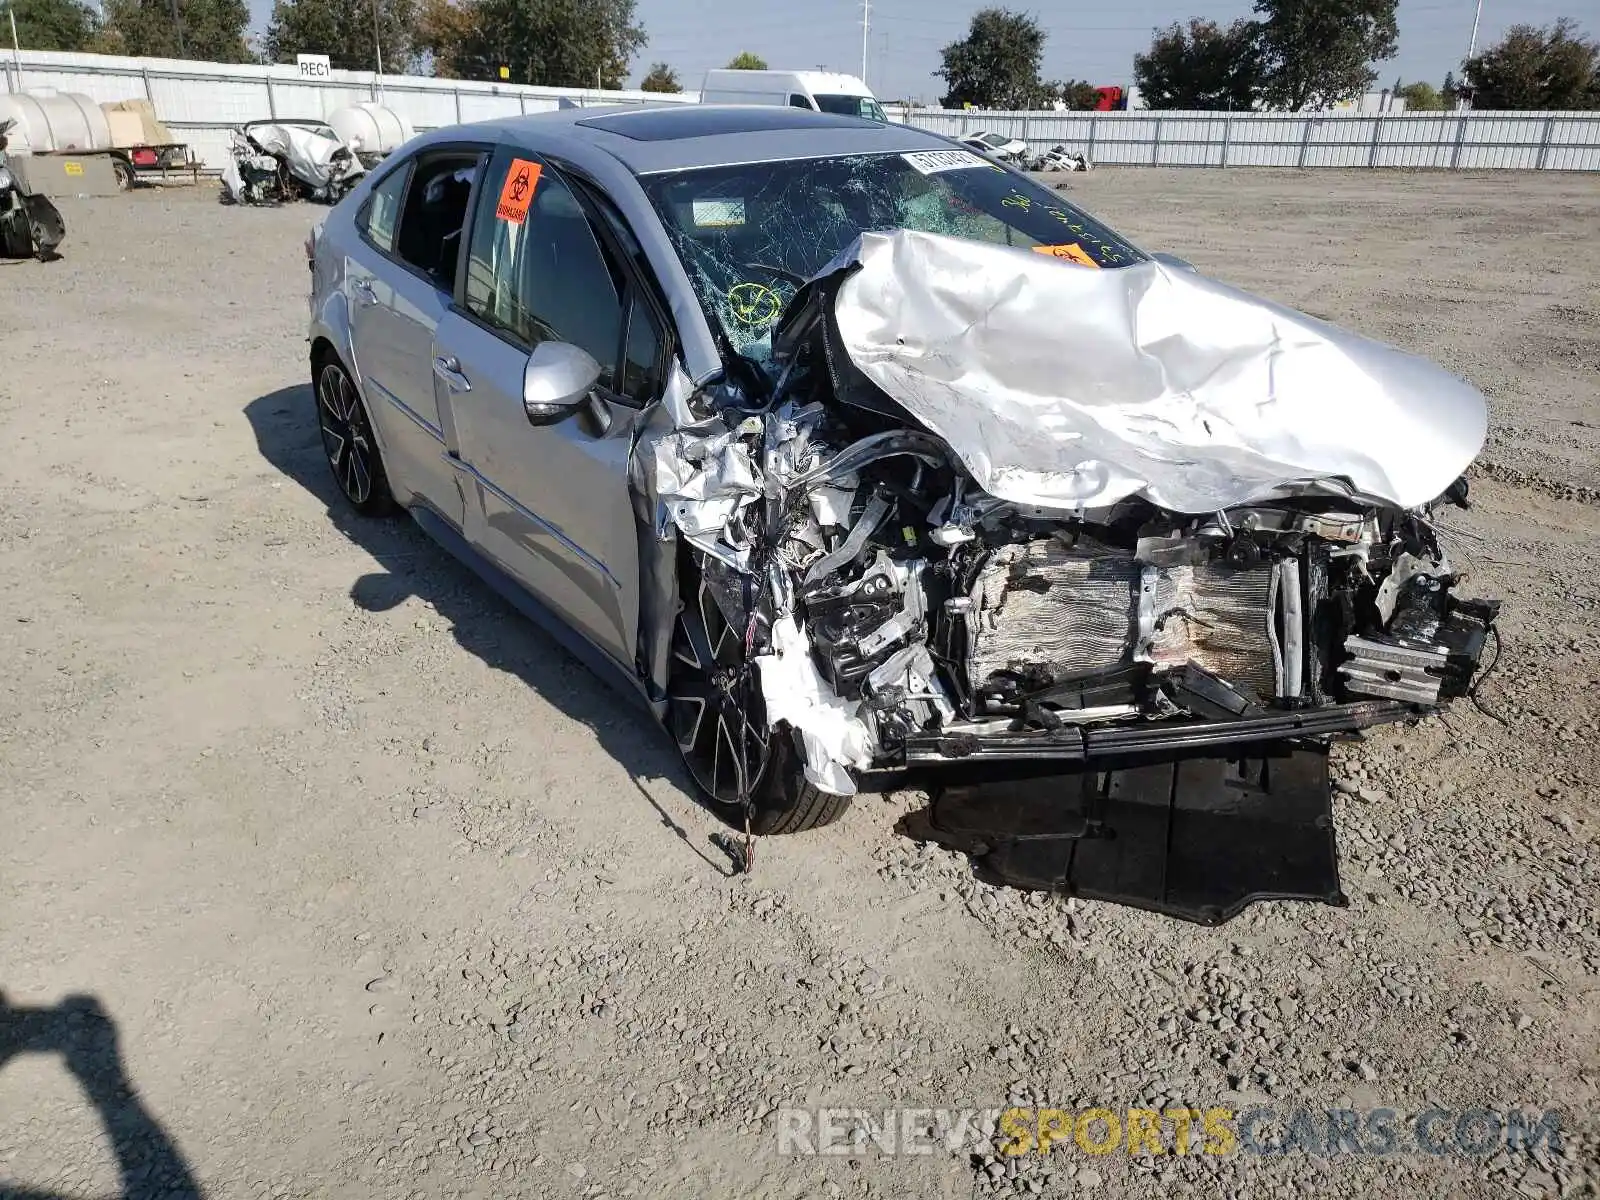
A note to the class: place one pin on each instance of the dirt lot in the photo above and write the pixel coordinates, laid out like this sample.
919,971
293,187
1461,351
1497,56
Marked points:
322,874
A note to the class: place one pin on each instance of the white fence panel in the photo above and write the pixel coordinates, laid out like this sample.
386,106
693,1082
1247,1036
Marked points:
1475,140
200,102
1570,143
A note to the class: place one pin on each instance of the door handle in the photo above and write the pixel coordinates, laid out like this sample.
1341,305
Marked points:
448,368
363,290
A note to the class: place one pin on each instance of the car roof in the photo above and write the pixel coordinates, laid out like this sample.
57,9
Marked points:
653,138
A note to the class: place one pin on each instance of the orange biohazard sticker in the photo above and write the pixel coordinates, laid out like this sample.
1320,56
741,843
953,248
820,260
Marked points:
517,192
1071,251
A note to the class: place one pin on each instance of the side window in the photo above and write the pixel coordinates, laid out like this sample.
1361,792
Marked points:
543,278
377,217
799,102
638,379
434,219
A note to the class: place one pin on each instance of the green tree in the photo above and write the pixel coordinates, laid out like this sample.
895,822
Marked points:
444,30
553,43
343,29
661,78
53,24
1077,94
1316,53
1204,66
205,30
1421,97
747,61
1536,68
997,64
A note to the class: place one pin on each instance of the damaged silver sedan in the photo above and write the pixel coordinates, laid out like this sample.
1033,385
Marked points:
850,451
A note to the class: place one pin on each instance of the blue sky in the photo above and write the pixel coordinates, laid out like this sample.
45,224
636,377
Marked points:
1087,40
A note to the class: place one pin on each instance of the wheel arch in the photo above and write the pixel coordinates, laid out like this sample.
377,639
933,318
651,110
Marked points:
325,351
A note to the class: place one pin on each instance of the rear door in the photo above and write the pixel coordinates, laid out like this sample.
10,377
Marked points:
550,504
415,220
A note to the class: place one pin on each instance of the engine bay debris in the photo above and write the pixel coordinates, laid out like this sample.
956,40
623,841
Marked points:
982,505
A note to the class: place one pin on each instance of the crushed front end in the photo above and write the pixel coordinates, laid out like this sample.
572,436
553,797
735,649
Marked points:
900,614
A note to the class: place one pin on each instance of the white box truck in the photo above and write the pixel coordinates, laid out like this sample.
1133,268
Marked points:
821,91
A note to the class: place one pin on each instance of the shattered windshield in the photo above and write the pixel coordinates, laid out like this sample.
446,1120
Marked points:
749,235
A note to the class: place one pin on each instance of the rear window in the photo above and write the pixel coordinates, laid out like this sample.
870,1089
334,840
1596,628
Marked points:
852,106
377,218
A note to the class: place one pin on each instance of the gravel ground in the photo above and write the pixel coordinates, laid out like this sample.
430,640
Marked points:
325,875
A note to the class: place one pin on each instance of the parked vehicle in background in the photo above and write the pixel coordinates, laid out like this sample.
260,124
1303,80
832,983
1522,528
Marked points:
1001,147
820,91
30,226
279,160
140,143
1059,158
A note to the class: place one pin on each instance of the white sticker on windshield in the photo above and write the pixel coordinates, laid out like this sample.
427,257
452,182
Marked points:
718,214
931,162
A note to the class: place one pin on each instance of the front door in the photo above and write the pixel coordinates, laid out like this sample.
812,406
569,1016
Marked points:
552,503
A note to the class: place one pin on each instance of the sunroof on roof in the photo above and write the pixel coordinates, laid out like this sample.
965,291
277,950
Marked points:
691,121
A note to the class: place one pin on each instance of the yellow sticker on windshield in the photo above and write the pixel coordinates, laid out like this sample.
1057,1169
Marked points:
1070,251
752,304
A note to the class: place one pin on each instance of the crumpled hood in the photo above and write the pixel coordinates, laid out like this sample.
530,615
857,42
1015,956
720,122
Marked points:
309,153
1067,387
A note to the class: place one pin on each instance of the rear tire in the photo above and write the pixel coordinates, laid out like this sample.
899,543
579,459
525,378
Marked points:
349,443
124,173
716,715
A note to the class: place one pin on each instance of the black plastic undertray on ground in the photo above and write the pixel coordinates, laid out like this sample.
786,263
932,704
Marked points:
1198,839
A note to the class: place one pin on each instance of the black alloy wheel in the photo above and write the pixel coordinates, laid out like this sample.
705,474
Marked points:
717,716
349,444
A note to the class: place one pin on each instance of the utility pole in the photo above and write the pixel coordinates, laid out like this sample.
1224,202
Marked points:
1472,44
866,33
16,47
377,47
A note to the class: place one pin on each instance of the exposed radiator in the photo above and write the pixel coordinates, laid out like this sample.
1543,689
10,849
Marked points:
1218,617
1046,608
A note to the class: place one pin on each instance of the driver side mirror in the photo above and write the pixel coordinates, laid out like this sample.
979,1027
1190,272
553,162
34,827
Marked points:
557,381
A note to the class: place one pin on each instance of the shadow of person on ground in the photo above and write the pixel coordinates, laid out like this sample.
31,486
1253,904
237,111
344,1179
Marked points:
79,1031
285,427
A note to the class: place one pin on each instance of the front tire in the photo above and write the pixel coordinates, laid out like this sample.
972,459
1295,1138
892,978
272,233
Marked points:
349,443
716,715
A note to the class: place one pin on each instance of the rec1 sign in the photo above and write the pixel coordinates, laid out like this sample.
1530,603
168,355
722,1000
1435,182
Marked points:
313,66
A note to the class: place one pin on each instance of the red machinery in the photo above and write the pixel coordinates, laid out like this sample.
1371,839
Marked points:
1111,99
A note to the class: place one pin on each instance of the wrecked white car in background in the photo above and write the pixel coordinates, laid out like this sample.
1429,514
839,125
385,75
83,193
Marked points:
1001,147
937,474
272,162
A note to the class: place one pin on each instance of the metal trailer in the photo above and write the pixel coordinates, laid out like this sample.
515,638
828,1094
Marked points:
164,160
